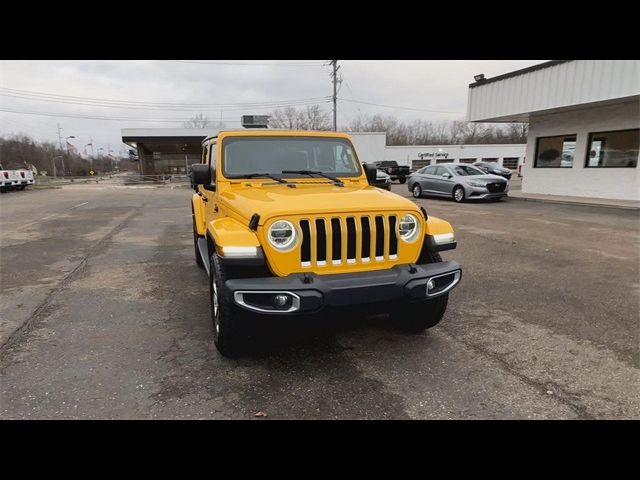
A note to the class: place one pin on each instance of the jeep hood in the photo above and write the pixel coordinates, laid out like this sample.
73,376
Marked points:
280,200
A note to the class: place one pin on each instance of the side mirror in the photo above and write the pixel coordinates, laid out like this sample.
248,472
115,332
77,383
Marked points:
446,175
200,175
371,172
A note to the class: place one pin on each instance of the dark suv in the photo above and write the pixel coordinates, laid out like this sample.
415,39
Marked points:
494,169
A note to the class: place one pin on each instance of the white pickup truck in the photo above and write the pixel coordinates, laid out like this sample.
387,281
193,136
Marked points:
15,179
8,180
24,177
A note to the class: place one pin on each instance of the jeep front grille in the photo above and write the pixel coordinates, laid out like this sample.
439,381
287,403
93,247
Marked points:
349,240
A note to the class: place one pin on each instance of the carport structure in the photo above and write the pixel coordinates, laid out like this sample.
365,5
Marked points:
166,151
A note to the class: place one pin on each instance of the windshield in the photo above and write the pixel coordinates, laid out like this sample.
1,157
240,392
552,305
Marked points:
243,156
466,170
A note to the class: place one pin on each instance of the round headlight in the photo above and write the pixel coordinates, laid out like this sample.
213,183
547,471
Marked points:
282,235
409,228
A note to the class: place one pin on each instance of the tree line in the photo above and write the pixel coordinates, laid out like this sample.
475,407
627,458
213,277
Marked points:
21,151
417,132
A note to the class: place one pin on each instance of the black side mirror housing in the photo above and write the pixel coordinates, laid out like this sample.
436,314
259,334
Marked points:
200,175
371,172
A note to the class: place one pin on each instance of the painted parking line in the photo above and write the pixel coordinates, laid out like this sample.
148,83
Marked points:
79,205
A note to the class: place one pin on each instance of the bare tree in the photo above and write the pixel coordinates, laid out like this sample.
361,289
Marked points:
428,132
314,118
310,118
198,121
518,132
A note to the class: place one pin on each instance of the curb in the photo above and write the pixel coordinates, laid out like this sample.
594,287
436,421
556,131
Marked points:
569,202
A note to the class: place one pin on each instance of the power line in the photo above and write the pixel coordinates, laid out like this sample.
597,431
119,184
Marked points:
120,119
401,108
172,109
97,102
275,64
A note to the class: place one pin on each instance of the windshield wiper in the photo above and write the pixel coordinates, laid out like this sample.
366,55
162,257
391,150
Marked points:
335,180
264,175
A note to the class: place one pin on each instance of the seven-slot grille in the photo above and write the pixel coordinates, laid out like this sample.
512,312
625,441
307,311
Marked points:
348,240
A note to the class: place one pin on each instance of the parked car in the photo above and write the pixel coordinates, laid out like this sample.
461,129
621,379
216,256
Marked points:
298,231
459,181
395,171
494,169
383,180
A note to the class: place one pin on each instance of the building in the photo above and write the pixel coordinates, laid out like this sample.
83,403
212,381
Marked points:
418,156
166,151
584,124
372,147
170,151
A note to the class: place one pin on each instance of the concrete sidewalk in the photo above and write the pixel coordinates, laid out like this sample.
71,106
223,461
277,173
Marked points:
569,200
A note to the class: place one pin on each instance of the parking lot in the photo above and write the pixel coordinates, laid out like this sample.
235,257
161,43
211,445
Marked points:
105,315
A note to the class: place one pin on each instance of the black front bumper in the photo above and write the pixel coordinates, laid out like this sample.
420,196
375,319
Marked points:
401,283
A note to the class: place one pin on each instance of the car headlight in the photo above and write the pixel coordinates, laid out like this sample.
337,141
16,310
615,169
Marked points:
409,228
282,235
477,184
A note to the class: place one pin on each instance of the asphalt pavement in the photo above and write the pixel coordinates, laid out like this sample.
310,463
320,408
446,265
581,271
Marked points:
104,314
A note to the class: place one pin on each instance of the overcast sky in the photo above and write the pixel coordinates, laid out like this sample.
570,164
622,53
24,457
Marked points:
430,90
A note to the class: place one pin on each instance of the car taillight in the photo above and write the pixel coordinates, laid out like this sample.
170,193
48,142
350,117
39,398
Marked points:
6,174
22,173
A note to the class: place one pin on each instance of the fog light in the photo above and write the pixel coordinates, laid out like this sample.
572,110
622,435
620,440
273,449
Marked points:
430,285
280,300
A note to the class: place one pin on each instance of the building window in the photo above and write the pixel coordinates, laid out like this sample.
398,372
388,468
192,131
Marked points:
443,160
613,149
467,160
490,160
510,162
555,152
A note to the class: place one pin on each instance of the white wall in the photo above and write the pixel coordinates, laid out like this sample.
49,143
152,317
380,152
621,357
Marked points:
405,155
616,183
370,146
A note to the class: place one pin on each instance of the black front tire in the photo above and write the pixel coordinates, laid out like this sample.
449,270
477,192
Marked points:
229,321
419,316
402,180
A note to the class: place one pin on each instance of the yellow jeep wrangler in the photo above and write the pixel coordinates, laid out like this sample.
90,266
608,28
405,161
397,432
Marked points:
286,224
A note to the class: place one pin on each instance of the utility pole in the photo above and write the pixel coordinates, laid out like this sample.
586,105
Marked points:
59,137
334,75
